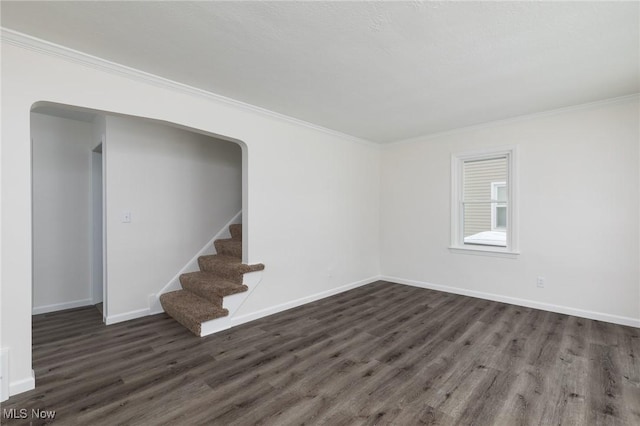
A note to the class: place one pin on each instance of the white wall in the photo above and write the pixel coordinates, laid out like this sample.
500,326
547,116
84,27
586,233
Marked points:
180,187
579,195
61,213
312,198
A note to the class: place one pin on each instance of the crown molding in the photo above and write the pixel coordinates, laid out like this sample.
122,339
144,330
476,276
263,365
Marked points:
516,119
46,47
38,45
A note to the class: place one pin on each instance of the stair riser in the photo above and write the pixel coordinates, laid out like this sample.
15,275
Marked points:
210,283
228,272
190,310
216,300
236,231
227,249
177,315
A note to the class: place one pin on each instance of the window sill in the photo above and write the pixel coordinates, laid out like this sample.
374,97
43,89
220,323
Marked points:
485,251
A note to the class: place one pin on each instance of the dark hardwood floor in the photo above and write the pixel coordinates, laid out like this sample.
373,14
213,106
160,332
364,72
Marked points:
380,354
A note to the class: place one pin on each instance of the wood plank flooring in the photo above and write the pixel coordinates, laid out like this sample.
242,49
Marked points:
380,354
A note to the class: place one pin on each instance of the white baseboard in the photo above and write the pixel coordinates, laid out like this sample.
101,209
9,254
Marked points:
214,326
225,323
600,316
299,302
36,310
114,319
23,385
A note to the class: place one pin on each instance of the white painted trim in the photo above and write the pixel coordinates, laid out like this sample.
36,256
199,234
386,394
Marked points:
510,120
192,265
114,319
485,251
37,310
43,46
23,385
599,316
208,328
494,207
220,324
299,302
46,47
457,192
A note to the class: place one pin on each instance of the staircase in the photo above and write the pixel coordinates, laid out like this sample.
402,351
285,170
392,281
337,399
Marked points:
202,296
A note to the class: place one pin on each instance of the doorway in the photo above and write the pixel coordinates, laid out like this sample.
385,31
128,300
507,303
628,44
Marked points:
89,270
67,209
97,230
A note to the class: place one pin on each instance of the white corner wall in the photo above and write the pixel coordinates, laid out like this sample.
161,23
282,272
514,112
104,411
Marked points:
61,212
311,205
180,187
579,189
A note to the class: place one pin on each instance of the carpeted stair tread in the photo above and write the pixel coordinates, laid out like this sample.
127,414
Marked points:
190,310
236,231
227,267
202,294
229,247
210,286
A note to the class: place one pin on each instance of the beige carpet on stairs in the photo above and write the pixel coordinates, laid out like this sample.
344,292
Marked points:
203,292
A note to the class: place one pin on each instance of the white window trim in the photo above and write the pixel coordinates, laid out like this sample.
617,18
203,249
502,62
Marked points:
457,244
494,206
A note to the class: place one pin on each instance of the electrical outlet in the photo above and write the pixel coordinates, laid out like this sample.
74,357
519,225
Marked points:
540,282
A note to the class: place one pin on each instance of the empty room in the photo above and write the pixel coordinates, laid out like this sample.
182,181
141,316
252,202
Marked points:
338,213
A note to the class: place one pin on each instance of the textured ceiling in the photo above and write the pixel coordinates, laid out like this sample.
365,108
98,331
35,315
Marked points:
380,71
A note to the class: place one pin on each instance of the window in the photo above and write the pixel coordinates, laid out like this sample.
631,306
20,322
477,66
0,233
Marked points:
499,206
483,195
